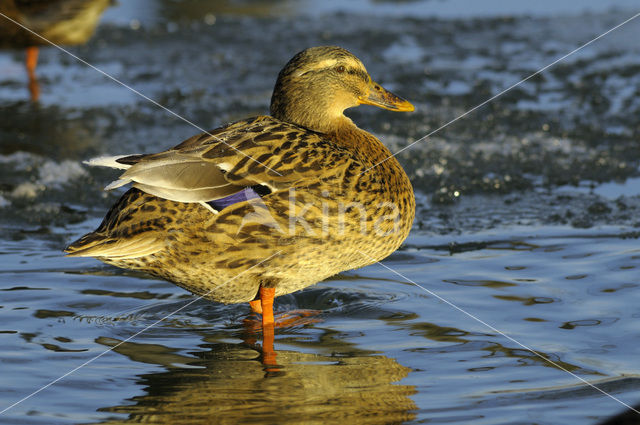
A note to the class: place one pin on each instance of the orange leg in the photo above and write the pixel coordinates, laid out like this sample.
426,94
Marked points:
268,328
31,62
264,306
32,59
267,296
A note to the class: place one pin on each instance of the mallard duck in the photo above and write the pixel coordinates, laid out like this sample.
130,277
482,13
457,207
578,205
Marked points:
63,22
268,205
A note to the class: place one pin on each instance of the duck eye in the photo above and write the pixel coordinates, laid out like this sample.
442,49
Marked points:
340,69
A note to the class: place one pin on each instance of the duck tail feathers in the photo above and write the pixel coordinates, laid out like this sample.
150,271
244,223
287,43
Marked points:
111,161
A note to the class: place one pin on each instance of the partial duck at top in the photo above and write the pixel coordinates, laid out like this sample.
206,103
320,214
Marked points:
62,22
267,205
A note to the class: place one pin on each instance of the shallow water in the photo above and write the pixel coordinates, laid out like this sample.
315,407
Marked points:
526,236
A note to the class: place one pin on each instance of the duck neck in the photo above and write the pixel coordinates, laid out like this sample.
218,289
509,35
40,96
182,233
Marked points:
347,134
326,124
320,117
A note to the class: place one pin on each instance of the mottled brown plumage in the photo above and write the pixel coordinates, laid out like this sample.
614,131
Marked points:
322,209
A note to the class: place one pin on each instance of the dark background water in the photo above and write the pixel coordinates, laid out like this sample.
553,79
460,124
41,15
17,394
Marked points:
527,220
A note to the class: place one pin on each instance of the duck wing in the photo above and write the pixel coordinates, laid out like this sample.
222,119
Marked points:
260,151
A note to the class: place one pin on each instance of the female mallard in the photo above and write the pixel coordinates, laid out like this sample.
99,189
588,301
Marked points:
268,205
65,22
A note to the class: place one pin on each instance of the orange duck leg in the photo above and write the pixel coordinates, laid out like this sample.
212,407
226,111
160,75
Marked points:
31,62
264,306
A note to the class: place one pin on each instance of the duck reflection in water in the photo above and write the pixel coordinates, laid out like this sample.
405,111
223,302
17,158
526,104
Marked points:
62,22
225,384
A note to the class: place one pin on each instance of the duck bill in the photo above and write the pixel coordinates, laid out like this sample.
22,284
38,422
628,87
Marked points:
382,98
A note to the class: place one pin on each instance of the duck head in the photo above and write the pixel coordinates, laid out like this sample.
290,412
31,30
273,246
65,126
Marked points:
319,83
